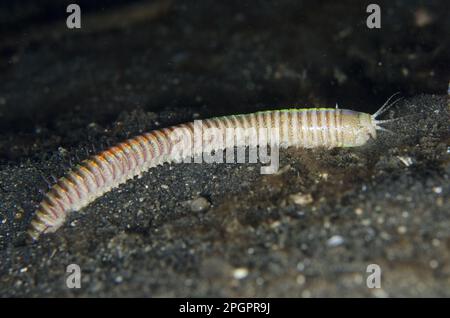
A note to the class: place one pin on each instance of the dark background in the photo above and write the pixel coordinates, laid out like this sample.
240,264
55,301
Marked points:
137,66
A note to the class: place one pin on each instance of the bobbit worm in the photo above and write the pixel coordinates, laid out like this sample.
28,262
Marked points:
308,128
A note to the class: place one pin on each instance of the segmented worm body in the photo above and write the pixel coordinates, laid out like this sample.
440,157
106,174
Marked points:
327,127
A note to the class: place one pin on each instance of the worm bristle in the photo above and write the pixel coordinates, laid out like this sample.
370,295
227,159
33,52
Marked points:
44,217
33,234
48,183
38,225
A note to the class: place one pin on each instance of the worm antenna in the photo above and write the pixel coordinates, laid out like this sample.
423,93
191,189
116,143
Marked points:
377,122
49,184
386,106
386,121
384,129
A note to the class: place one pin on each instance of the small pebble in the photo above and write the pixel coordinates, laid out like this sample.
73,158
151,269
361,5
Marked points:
335,240
436,242
434,264
407,161
301,279
385,236
62,151
437,190
240,273
275,224
199,204
401,229
301,199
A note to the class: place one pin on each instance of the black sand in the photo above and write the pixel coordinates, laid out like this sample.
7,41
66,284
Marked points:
310,230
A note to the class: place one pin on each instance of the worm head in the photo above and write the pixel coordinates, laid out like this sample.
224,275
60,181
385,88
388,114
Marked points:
357,128
366,129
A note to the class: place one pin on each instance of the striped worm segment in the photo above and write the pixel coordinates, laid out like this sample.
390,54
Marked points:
93,177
